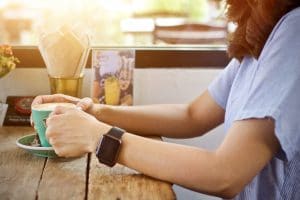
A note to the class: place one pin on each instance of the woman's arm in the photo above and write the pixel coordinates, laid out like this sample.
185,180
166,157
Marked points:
248,147
178,121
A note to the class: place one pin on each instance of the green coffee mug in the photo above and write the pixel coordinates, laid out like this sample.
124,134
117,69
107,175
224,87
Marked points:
40,114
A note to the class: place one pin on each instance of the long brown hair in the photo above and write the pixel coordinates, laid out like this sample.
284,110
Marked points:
255,20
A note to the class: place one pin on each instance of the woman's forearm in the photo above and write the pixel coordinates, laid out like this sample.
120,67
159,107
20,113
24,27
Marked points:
248,147
175,120
162,120
190,167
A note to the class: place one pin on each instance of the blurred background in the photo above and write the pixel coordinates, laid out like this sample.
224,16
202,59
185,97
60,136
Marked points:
117,22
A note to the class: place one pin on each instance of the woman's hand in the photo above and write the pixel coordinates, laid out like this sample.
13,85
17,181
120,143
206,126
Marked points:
73,132
85,103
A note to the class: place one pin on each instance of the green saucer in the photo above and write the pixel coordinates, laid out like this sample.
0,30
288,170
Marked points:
25,141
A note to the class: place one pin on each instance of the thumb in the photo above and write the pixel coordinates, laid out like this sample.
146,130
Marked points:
85,103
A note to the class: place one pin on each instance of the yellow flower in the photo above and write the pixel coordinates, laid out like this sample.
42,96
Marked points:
7,60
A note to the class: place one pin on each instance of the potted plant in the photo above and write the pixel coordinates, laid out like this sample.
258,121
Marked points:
7,60
7,63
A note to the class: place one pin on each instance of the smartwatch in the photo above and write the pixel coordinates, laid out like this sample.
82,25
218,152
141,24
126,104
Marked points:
109,146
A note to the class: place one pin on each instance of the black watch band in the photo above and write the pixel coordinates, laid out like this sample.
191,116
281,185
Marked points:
109,146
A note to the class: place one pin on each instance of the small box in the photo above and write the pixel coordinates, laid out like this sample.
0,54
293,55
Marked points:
19,110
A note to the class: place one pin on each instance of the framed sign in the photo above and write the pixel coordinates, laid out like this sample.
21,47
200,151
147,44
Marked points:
112,81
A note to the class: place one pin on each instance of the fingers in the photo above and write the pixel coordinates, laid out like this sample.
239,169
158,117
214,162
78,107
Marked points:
49,129
52,130
58,110
85,103
58,114
54,98
58,148
82,104
63,149
65,133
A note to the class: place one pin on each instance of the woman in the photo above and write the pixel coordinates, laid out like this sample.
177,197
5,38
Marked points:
256,96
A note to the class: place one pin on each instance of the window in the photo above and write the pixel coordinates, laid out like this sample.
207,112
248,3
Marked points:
116,22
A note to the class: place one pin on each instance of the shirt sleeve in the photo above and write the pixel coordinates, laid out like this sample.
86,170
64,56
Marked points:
275,90
219,89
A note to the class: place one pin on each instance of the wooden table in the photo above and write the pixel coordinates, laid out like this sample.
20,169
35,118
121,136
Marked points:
24,176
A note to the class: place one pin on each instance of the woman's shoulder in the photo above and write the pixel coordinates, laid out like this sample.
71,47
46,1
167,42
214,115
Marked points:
284,39
291,21
294,12
292,16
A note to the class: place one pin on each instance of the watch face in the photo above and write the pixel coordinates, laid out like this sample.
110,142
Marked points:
109,152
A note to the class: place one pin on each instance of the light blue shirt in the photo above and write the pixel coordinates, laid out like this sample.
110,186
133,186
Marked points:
269,87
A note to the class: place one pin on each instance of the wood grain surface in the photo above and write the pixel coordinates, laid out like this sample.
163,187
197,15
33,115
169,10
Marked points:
122,183
24,176
19,171
69,174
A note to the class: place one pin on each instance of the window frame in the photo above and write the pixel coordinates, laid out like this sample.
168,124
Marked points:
165,57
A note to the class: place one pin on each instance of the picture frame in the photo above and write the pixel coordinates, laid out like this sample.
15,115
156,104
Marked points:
112,76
